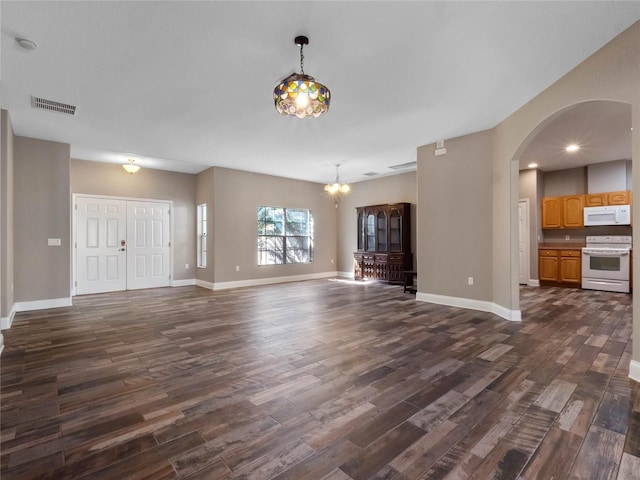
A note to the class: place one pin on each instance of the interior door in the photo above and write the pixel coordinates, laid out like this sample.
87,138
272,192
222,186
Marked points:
121,245
100,256
148,246
523,242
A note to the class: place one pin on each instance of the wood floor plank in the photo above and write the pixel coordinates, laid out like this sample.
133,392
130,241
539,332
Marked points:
609,447
319,379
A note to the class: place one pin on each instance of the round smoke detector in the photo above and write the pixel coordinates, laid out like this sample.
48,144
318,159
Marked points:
27,44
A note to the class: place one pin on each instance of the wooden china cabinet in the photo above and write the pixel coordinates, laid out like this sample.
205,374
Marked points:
384,242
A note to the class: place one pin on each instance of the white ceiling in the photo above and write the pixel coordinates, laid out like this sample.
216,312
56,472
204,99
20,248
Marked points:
187,85
601,130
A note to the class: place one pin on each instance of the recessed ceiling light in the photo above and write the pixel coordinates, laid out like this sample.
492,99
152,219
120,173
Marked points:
27,44
532,165
572,148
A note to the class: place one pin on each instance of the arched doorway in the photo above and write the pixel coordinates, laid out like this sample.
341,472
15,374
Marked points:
602,130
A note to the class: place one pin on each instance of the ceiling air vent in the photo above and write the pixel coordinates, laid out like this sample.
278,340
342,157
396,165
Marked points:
370,174
404,166
51,106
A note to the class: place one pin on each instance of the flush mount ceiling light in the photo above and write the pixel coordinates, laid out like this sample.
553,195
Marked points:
130,167
532,165
299,95
572,148
337,186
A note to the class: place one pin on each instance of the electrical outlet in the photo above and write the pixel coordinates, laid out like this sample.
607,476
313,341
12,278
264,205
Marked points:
237,268
567,237
332,261
186,266
470,280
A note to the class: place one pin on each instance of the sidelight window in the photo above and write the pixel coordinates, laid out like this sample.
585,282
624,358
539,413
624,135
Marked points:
202,236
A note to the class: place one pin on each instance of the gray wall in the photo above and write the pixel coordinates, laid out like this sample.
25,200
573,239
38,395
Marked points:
608,176
571,181
611,73
6,218
110,179
454,218
42,210
393,189
237,196
204,194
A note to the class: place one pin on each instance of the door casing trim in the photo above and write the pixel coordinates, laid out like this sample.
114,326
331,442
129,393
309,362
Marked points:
74,197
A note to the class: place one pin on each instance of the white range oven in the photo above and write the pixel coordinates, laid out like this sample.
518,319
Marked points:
605,263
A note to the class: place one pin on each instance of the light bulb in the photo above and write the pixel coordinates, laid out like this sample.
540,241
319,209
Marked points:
302,100
572,148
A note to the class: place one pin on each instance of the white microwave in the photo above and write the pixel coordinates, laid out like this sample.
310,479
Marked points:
610,215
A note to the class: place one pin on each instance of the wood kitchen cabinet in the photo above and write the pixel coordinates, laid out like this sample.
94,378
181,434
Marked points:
572,211
548,265
619,198
607,198
595,199
384,242
552,212
560,267
570,267
568,211
563,212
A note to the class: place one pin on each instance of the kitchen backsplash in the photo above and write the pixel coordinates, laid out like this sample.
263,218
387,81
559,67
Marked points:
578,236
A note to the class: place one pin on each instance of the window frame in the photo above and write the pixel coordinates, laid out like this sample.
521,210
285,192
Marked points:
201,235
282,239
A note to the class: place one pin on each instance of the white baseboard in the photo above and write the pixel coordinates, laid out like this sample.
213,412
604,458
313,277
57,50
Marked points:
634,370
345,274
265,281
471,304
183,283
534,282
43,304
203,284
5,322
1,343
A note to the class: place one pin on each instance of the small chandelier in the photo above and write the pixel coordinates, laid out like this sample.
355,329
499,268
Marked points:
337,186
130,167
299,95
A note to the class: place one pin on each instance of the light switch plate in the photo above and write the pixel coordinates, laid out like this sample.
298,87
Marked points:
53,242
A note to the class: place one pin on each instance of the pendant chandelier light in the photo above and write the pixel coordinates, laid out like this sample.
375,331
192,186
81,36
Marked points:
299,95
130,167
337,186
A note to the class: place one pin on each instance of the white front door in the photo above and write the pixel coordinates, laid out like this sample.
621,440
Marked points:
523,241
121,245
101,259
148,248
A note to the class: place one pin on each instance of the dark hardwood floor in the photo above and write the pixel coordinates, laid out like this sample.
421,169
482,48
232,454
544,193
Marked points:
319,380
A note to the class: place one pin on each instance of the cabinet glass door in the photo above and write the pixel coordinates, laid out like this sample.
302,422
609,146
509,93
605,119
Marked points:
360,231
382,231
395,229
371,233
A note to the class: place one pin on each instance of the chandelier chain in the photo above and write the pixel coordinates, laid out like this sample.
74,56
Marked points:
301,59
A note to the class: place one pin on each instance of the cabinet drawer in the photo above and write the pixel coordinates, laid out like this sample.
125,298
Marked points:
570,253
548,253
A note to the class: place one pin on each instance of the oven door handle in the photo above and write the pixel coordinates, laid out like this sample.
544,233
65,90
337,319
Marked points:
606,254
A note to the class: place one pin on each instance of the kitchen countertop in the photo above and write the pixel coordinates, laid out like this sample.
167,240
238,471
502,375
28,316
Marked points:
561,246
